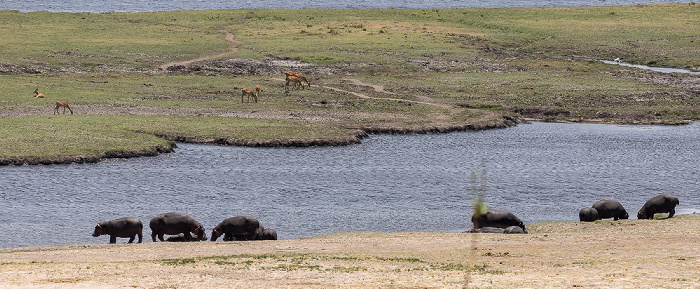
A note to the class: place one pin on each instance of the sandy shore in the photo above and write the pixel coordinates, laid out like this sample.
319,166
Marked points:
605,254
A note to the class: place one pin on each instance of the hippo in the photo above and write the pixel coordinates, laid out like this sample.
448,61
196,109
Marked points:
514,230
176,223
239,228
488,230
588,215
127,227
610,209
497,219
181,238
261,233
509,230
660,204
269,234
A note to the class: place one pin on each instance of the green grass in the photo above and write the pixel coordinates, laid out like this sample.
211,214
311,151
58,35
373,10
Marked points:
95,134
484,63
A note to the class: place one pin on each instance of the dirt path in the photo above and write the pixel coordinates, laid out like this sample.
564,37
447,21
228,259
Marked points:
378,88
232,50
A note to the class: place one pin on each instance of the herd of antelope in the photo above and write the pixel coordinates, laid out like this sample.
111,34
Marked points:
297,80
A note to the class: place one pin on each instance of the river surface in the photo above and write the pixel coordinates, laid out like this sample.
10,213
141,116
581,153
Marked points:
541,172
97,6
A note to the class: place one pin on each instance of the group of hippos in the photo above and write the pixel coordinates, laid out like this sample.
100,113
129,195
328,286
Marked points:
499,221
244,228
185,229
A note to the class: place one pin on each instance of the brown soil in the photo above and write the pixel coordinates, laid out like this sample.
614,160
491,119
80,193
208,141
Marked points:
605,254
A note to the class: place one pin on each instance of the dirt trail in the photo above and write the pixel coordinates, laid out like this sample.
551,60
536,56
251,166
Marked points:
232,49
379,88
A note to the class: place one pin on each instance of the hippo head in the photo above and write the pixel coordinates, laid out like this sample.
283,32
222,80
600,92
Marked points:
642,214
625,216
216,233
199,232
99,230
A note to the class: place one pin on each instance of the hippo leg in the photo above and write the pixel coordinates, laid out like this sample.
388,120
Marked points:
672,212
160,237
131,239
153,235
112,239
140,236
615,218
188,236
228,237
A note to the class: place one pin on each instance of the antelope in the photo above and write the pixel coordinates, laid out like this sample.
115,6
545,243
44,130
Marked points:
298,75
38,94
296,81
249,92
63,104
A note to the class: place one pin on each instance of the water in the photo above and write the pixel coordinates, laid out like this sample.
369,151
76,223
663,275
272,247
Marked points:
657,69
541,172
97,6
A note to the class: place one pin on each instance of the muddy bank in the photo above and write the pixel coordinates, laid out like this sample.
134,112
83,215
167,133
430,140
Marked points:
154,151
299,143
601,254
356,138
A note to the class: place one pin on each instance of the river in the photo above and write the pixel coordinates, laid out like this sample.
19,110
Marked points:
540,171
97,6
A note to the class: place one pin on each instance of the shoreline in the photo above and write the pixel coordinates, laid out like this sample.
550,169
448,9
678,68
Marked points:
274,143
286,143
610,254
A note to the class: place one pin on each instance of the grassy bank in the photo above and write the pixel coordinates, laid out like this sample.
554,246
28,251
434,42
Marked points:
603,254
394,70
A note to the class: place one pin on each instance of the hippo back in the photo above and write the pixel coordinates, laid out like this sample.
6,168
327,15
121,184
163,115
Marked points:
497,219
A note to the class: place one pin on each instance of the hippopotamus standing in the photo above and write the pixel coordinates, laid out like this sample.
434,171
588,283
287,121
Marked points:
123,228
497,219
588,215
610,209
660,204
176,223
241,228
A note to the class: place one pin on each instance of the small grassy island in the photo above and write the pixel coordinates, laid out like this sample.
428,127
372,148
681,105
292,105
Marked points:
137,82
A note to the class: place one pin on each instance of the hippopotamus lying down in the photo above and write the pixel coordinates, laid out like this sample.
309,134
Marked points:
261,233
588,215
181,238
127,227
509,230
660,204
610,209
497,219
268,234
239,228
174,224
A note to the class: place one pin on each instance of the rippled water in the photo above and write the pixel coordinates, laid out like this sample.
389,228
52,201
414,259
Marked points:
541,172
657,69
168,5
